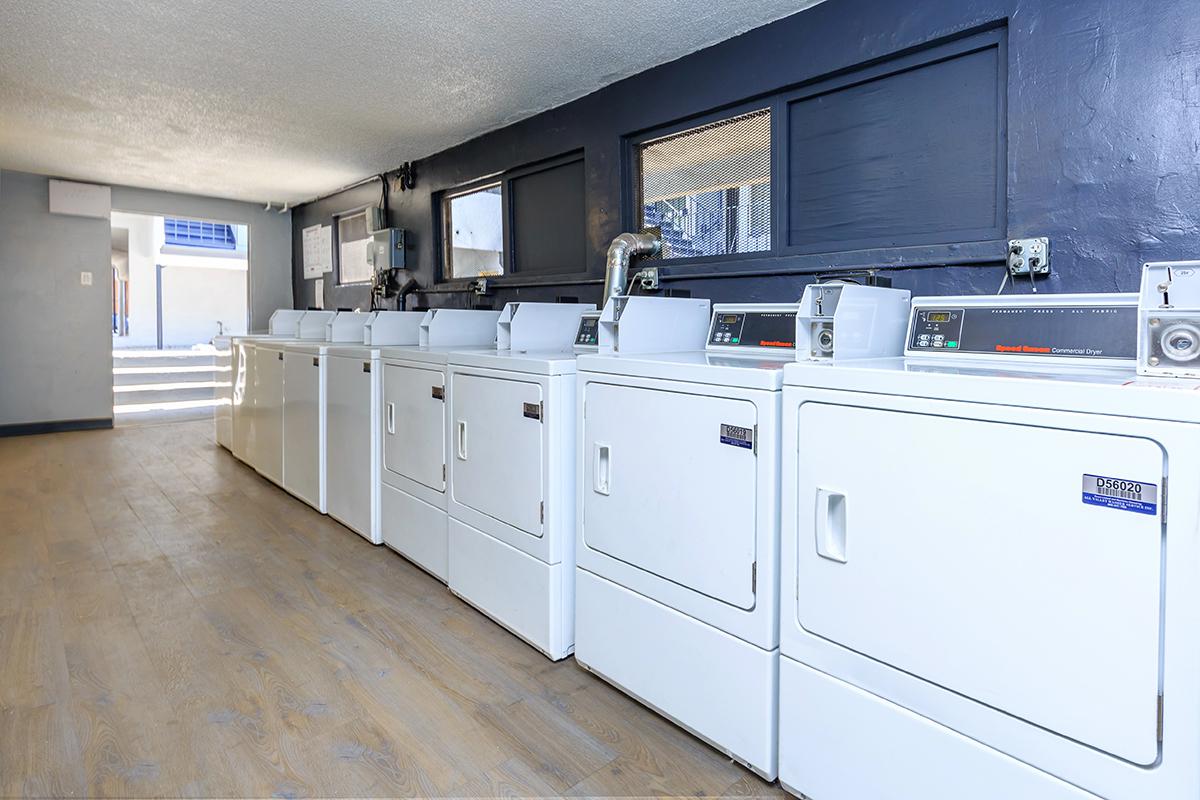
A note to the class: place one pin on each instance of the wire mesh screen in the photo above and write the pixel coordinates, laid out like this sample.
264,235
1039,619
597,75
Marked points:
708,189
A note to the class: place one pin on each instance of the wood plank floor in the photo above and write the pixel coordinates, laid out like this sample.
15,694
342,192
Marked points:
171,625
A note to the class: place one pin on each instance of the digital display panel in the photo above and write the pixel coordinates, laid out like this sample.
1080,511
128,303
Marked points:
938,316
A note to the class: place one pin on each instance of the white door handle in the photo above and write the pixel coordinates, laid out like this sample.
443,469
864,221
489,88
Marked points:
831,525
602,469
462,440
391,417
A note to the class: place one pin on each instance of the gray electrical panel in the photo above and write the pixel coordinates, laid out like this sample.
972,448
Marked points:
387,249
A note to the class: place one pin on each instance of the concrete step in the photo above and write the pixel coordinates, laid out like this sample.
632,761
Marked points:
129,376
164,360
176,393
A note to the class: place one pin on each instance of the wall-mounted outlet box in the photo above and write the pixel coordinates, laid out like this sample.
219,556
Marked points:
85,279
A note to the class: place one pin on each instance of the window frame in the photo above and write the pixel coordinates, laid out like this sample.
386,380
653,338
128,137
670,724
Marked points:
986,247
631,177
445,219
508,258
337,243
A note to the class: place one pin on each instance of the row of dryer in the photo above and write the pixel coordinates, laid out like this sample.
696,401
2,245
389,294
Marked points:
874,547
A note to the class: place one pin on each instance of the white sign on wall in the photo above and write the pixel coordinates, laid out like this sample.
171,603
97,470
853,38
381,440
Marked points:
319,293
318,250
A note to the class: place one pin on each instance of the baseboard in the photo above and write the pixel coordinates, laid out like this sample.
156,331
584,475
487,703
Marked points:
60,426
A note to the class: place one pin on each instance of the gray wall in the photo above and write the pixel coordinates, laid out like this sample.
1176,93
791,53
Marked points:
55,342
56,358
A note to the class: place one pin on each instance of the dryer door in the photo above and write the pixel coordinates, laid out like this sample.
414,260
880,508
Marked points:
498,445
414,424
978,555
670,486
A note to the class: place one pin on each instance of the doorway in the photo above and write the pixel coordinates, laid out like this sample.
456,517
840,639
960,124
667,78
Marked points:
178,285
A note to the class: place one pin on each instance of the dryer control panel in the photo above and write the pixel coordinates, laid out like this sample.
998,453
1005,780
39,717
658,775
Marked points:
1091,328
759,327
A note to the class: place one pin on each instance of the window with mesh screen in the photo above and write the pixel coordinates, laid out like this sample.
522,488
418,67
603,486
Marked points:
708,188
353,244
473,233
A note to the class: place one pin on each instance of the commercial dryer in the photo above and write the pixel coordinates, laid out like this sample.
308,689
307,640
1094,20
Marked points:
989,590
511,500
416,438
353,422
255,443
304,385
678,529
283,323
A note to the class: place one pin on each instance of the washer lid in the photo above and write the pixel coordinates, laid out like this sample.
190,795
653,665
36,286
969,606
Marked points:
425,355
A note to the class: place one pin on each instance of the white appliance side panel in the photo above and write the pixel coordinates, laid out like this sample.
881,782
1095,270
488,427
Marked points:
521,592
243,403
960,551
303,427
837,742
718,686
416,530
268,414
661,490
223,414
348,430
497,446
414,432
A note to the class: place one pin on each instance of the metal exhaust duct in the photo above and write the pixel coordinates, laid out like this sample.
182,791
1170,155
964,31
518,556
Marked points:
620,253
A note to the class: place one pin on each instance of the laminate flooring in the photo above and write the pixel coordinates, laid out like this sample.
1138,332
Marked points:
172,625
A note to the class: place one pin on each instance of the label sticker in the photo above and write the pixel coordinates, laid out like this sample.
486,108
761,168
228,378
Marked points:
533,410
1120,494
737,436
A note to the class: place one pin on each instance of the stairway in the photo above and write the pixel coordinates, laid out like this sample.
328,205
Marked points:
165,385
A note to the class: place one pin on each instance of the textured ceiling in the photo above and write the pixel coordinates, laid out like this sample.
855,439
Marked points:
284,100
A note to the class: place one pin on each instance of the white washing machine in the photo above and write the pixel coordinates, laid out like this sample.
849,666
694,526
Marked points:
248,385
986,592
416,438
284,323
304,384
678,532
353,423
511,500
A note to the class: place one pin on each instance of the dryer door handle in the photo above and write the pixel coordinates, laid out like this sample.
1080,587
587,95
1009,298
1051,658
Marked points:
601,468
831,525
391,417
461,447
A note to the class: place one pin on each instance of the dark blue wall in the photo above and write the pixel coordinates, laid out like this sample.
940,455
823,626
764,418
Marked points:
1103,145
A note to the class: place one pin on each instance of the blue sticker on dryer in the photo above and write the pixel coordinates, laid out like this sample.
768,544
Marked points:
1120,494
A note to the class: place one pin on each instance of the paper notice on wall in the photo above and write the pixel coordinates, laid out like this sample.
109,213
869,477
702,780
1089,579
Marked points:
318,250
319,293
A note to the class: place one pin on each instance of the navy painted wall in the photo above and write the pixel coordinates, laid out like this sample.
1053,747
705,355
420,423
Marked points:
1103,155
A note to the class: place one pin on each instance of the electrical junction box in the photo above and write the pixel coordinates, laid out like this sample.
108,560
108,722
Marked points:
386,249
1169,319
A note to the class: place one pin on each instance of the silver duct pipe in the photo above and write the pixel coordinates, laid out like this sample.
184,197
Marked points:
620,252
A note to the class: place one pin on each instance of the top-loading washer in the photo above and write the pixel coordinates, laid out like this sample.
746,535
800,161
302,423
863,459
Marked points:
511,499
678,525
305,365
283,323
258,394
988,590
416,438
353,420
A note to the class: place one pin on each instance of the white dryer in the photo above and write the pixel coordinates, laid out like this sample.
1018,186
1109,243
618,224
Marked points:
416,438
987,592
284,323
511,500
353,420
254,443
678,532
304,384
